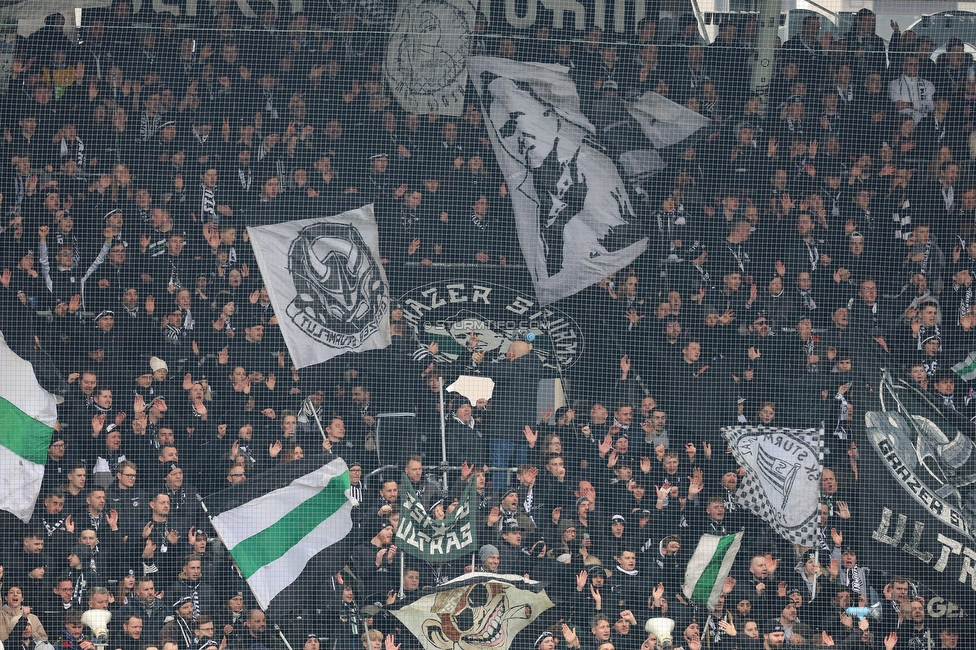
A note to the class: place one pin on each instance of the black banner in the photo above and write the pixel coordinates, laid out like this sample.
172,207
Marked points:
917,514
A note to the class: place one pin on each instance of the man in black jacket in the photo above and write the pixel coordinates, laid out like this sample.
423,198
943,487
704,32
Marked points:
513,405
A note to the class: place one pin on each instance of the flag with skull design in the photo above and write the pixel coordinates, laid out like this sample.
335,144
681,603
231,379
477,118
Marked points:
327,286
475,611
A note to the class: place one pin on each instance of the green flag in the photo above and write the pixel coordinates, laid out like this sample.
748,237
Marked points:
427,538
27,417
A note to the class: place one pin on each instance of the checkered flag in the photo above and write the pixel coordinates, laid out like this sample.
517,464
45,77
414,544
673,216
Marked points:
782,482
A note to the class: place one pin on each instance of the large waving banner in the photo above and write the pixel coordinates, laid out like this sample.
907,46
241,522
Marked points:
425,59
920,461
574,218
326,284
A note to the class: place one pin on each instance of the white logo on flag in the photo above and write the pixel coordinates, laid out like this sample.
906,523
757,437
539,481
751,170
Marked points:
782,482
425,60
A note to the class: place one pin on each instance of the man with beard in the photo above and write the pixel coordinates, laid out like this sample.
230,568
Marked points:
466,441
774,636
374,559
145,603
514,404
758,585
180,629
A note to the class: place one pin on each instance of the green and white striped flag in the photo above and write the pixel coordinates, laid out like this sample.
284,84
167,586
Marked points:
273,536
966,369
27,417
709,567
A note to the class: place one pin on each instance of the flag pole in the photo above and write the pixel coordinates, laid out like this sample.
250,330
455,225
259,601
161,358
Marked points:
440,389
402,573
315,413
282,635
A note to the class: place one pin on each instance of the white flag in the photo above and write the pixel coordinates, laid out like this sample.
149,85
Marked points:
425,58
664,122
326,284
782,482
573,215
708,568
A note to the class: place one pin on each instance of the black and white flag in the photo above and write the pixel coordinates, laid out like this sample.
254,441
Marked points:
425,58
326,284
782,482
574,218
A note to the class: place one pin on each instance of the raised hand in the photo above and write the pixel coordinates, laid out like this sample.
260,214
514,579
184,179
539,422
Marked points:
557,514
663,491
595,595
728,586
727,627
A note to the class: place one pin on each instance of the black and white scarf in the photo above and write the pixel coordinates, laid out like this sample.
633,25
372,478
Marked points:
208,205
245,176
965,299
149,126
807,298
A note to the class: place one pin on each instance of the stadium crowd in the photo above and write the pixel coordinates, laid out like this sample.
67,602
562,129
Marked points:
793,252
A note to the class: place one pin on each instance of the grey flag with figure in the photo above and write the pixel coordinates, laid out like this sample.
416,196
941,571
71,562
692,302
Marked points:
425,58
475,610
573,215
326,284
782,482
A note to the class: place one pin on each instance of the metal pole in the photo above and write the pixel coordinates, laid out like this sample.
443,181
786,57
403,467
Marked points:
402,573
315,413
440,388
282,635
765,65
